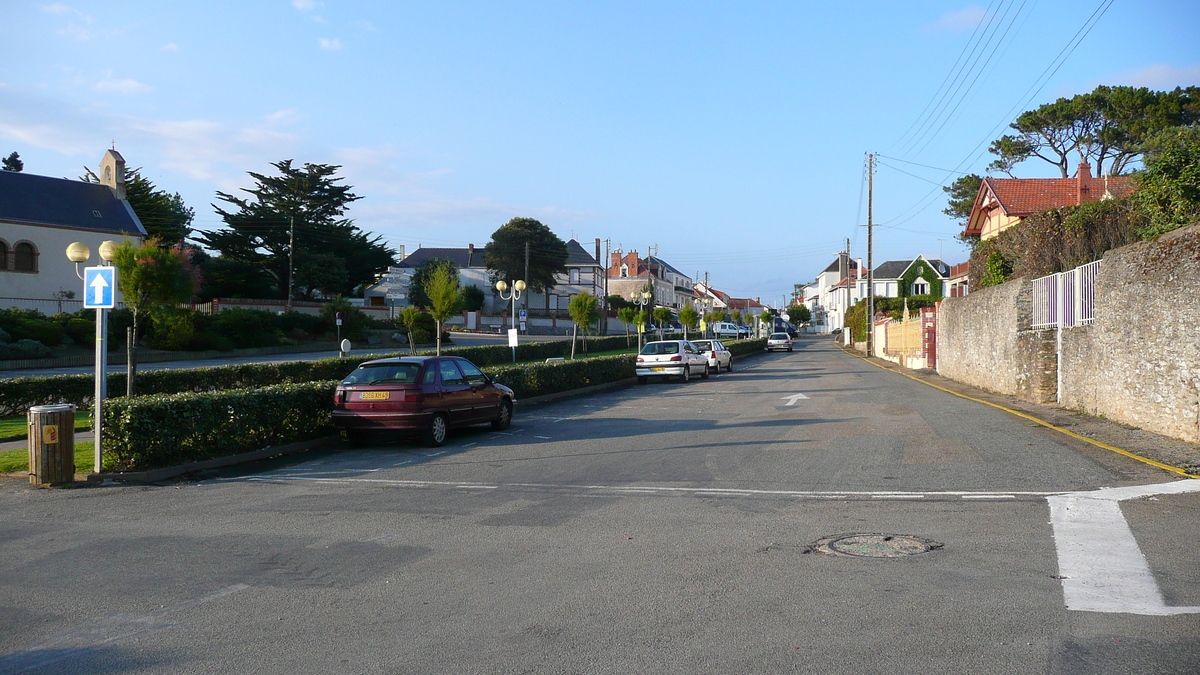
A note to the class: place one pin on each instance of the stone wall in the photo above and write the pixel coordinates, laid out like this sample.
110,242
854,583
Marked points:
1139,362
984,340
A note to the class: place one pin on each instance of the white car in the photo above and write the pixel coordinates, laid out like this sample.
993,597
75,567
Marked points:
780,341
718,356
670,358
724,329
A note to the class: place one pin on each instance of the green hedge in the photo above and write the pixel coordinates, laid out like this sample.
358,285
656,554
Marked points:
538,379
148,432
738,347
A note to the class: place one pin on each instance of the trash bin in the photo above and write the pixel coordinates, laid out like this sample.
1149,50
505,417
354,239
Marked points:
51,444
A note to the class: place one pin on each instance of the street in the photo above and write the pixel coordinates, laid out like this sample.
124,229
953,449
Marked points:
666,528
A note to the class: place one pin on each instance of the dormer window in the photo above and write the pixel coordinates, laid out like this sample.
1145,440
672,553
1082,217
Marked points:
96,214
920,287
624,270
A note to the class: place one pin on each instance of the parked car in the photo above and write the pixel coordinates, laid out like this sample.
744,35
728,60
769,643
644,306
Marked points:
670,358
743,331
723,329
718,356
779,341
425,394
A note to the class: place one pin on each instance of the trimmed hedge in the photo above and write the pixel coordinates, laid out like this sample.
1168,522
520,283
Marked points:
147,432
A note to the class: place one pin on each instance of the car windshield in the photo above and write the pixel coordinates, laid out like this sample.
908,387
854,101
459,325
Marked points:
703,345
384,373
779,336
660,348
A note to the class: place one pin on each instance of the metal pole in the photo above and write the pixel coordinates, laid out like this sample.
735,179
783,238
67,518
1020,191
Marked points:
101,380
870,254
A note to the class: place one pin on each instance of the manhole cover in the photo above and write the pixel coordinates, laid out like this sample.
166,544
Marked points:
875,545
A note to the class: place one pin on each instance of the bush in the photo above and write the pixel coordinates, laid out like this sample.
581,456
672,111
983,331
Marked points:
81,330
30,324
147,432
24,349
354,322
246,327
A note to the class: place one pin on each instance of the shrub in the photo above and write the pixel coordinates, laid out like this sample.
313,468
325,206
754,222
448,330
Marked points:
30,324
81,330
147,432
354,322
246,327
24,349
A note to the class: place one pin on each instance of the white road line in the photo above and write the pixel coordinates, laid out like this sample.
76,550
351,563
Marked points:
1102,567
989,496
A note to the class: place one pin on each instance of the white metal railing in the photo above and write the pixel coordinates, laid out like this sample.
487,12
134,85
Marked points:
1066,299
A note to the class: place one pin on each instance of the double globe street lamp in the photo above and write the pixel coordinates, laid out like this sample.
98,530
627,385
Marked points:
642,300
517,287
78,252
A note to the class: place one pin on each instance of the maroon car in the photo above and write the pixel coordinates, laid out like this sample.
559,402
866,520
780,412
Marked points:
426,394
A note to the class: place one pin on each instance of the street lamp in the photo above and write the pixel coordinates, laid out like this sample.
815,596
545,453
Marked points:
517,287
78,253
641,300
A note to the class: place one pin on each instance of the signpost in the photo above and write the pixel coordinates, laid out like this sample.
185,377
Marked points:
99,293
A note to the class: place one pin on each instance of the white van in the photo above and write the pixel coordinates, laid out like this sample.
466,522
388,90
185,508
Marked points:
725,330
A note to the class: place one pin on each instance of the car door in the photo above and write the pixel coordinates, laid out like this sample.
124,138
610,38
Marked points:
485,398
458,400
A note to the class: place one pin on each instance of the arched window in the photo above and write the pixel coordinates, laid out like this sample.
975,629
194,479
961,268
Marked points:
920,287
26,258
624,270
3,255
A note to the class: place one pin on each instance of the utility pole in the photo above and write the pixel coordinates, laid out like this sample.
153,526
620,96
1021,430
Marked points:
526,304
291,263
870,253
849,295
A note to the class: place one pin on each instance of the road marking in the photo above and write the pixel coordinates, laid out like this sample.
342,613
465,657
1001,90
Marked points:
1102,567
111,629
989,496
791,400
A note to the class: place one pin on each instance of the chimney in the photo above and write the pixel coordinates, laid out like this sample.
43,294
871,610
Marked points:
112,172
470,254
1083,183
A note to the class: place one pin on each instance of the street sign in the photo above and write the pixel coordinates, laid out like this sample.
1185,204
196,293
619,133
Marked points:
512,338
99,288
522,315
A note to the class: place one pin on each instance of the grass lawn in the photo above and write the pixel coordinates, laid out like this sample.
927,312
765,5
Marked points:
18,460
16,428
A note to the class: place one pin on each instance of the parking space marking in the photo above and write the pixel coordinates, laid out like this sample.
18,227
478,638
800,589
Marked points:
1101,565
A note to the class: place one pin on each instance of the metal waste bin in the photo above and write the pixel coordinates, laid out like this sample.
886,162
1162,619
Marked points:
51,444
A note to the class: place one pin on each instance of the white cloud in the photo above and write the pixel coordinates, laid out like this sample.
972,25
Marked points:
963,19
305,5
330,44
170,47
56,8
125,86
284,116
1159,76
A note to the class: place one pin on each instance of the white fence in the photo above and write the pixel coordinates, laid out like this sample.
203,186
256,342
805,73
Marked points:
1066,299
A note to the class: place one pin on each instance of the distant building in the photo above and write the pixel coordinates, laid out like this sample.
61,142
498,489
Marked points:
1004,202
629,274
40,216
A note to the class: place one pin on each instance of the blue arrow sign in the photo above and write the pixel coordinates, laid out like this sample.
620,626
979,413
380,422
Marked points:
99,288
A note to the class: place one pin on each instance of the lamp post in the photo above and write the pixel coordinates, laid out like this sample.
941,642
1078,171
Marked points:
517,287
641,300
78,253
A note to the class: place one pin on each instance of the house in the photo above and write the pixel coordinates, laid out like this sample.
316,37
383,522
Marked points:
584,273
709,299
40,216
957,283
1004,202
903,278
629,274
834,291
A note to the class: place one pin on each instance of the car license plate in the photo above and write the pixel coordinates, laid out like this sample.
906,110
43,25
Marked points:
657,370
374,395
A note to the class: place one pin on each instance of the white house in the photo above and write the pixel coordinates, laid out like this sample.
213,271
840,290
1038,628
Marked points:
40,216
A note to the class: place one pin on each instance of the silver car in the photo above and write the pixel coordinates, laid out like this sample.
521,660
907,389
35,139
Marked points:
670,358
717,354
779,341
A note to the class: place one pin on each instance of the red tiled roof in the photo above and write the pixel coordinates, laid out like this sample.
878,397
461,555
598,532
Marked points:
1025,196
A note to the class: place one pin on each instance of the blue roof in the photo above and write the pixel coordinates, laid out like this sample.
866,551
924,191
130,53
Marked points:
40,200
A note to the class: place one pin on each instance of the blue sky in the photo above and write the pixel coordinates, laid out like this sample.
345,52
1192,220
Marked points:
730,135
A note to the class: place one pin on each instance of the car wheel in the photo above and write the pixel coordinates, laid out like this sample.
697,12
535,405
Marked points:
642,379
435,435
356,437
729,368
504,419
687,373
704,375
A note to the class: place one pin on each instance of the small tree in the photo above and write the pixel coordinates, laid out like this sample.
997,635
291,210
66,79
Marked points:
738,318
690,318
584,311
626,315
662,315
441,286
151,276
407,319
13,163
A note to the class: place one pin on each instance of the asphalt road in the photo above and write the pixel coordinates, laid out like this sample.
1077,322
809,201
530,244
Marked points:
664,528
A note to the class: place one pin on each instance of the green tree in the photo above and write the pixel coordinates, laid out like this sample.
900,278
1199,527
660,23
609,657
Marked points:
617,303
962,196
663,316
626,315
150,277
472,298
1169,188
584,311
416,285
799,314
1109,124
13,163
164,215
690,318
504,255
407,320
738,318
311,202
441,286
